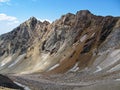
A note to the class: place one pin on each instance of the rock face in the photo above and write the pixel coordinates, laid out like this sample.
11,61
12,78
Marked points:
82,49
72,43
22,37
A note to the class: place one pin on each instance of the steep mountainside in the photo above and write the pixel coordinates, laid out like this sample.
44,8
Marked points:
72,40
77,47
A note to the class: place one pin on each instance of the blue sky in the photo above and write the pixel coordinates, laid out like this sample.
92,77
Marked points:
14,12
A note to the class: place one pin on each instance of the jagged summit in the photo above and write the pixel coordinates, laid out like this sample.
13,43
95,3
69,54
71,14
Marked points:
32,18
84,12
81,12
33,28
22,36
46,22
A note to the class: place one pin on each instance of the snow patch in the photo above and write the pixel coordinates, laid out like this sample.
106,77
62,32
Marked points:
83,38
75,68
5,61
117,67
2,64
54,67
92,34
98,69
118,79
25,87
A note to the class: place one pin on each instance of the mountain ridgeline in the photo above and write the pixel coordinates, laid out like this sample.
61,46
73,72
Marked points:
69,44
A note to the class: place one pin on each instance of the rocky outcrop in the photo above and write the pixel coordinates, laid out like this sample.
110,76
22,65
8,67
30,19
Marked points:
70,27
57,47
22,37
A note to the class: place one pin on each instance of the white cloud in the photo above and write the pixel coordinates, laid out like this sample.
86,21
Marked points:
7,23
4,17
42,20
10,20
4,0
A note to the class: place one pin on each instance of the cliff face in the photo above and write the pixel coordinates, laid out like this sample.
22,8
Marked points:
72,43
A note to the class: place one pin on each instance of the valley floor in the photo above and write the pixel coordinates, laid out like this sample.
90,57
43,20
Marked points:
71,82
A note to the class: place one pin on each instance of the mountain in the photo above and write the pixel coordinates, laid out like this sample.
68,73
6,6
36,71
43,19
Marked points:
76,46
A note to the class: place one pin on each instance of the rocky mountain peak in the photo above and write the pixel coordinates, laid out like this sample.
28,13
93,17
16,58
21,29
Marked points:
72,37
32,18
46,22
78,47
32,22
83,12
